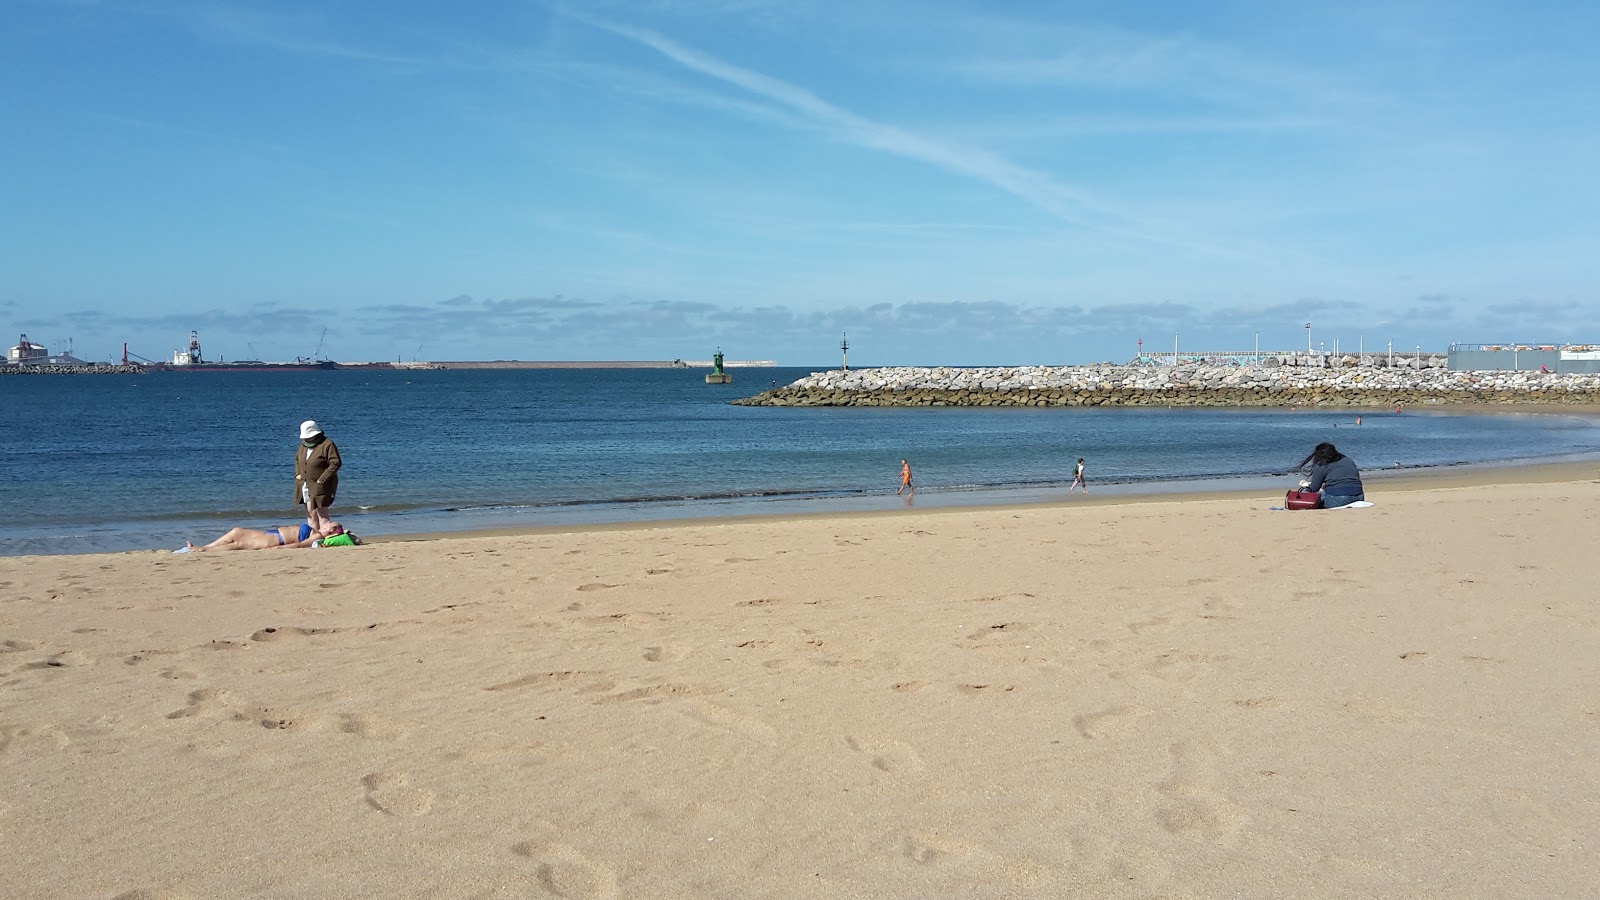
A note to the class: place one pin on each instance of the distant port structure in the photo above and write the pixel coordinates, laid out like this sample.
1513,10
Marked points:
30,357
1562,359
1548,357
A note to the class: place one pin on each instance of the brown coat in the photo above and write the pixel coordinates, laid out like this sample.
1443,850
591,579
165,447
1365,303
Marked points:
321,472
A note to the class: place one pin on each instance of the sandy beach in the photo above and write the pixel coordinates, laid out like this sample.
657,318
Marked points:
1190,698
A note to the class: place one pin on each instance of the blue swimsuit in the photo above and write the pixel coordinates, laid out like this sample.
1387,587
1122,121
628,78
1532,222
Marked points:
305,532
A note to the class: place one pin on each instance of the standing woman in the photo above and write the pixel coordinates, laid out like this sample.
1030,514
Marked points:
316,475
1077,478
1335,475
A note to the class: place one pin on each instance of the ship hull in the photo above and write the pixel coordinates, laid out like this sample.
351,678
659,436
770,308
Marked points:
247,367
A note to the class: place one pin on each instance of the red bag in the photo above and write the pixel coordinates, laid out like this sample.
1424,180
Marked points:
1302,500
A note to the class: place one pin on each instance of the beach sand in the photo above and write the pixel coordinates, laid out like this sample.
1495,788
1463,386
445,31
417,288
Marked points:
1199,698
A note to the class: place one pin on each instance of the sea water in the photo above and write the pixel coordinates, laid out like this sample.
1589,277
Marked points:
99,463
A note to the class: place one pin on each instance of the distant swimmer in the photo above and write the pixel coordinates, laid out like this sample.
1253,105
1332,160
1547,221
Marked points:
905,479
1358,420
1077,478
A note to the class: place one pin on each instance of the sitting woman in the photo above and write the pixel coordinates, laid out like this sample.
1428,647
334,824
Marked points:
1335,475
287,536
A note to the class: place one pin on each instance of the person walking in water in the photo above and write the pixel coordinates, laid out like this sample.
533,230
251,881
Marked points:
316,475
905,479
1077,478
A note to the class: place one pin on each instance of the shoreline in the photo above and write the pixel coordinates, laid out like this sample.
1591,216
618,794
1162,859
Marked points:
1390,480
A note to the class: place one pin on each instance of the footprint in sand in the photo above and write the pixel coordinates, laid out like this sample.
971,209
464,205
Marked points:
1150,624
727,719
561,871
370,726
280,718
536,679
1108,722
887,755
985,688
1182,667
392,793
278,634
969,862
1002,633
595,586
656,693
66,659
665,653
152,894
201,702
1190,806
33,741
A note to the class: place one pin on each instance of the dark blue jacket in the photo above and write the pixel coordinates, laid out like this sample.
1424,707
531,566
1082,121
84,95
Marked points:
1341,478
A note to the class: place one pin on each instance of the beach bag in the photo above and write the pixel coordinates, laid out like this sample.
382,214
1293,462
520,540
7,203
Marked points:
1302,500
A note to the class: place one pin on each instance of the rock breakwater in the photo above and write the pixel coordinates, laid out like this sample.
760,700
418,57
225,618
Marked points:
84,369
1105,385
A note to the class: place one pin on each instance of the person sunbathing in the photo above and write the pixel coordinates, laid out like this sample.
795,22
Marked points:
285,537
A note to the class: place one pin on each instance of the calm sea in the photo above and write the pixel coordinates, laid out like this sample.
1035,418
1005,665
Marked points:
96,463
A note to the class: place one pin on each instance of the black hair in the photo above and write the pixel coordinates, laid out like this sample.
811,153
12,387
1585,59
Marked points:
1325,454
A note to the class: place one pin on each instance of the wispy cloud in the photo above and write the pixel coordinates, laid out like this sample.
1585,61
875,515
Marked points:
1170,63
1044,191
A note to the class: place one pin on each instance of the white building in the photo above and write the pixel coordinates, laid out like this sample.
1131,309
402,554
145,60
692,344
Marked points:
26,352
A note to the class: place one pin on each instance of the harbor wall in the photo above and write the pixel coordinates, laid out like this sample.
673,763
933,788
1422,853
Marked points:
77,369
1230,386
558,364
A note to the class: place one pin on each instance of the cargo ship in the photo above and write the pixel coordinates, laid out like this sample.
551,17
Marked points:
193,360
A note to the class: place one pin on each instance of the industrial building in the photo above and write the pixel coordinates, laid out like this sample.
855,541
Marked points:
1560,359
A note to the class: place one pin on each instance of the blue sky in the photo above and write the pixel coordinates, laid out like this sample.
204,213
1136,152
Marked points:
948,182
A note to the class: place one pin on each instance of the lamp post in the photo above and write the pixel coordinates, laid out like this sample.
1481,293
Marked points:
1419,357
1308,338
1258,348
1174,350
844,351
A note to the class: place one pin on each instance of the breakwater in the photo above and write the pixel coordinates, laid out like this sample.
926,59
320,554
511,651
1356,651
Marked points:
83,369
1272,385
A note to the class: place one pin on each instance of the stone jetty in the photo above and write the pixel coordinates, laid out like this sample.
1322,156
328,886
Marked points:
1273,383
82,369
